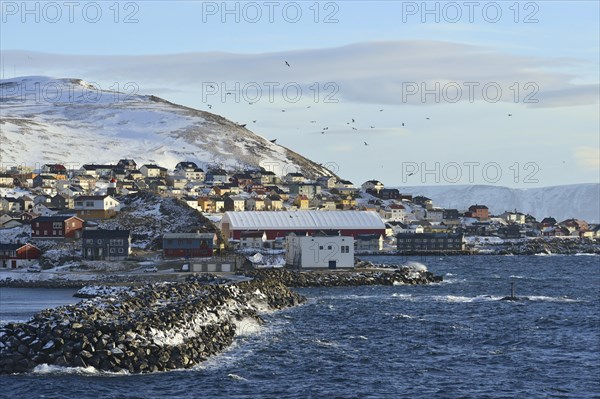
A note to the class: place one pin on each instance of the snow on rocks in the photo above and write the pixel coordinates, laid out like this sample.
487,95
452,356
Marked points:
155,327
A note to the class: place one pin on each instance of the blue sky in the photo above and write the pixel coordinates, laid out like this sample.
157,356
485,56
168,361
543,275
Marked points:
372,53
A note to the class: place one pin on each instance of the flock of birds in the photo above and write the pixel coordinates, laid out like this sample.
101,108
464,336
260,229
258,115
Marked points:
324,129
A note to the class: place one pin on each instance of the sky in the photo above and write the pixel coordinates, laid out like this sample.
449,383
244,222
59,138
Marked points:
409,93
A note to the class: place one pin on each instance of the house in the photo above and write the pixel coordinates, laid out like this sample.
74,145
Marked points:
151,170
267,177
192,202
451,216
18,255
255,204
513,217
480,212
273,202
423,201
8,222
432,242
56,227
368,242
188,245
280,223
310,190
86,182
327,181
345,184
72,191
306,252
547,222
434,215
105,244
96,206
388,194
374,185
44,181
396,212
44,209
6,180
555,231
511,231
301,202
97,171
235,203
127,164
61,201
294,177
327,205
242,179
252,239
216,176
135,175
10,204
54,169
206,204
219,204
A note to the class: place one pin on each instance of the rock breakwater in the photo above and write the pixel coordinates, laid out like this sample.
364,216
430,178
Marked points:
156,327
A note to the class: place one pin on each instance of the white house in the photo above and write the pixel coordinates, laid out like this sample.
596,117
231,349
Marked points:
395,212
306,252
434,215
372,185
150,170
96,206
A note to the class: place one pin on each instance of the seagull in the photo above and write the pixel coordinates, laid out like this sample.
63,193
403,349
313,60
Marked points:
308,106
244,125
427,118
209,106
381,110
211,86
372,127
273,141
287,63
411,173
402,123
313,121
254,121
250,103
283,110
509,114
353,128
366,143
228,93
352,120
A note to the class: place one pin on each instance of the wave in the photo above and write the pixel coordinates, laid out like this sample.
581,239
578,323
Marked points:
478,298
236,377
89,370
247,326
542,298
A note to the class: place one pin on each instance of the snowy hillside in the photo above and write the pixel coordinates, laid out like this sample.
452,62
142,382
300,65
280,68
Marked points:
561,202
69,122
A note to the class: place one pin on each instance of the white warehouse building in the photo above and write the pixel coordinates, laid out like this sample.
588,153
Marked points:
306,252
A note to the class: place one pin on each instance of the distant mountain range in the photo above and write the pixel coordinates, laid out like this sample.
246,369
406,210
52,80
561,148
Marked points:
68,121
580,201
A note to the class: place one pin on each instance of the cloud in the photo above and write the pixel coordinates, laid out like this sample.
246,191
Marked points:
387,72
588,157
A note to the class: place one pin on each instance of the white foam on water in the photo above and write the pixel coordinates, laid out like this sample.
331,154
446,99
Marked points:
54,369
514,276
236,377
247,327
542,298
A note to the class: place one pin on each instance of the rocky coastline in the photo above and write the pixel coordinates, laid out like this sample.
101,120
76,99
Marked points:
168,325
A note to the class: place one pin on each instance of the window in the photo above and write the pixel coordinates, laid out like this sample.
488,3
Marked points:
99,241
89,241
112,250
120,250
320,247
329,247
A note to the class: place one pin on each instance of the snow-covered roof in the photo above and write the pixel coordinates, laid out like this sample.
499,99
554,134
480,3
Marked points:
300,220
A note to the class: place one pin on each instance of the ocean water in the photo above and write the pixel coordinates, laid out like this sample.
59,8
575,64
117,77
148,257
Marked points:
455,339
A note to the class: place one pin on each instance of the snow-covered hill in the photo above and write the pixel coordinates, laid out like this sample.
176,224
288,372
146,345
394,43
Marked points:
561,202
68,121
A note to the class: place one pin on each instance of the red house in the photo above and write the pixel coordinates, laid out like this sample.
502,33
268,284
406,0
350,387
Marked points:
57,227
17,255
480,212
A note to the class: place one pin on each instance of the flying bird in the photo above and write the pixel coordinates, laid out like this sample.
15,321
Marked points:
372,127
509,114
287,63
273,141
244,125
209,106
381,110
402,123
254,121
427,118
283,110
352,120
366,143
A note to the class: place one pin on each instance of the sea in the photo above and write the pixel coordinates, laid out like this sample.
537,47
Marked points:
455,339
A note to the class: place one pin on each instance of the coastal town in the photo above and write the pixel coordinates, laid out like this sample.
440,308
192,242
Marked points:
56,215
